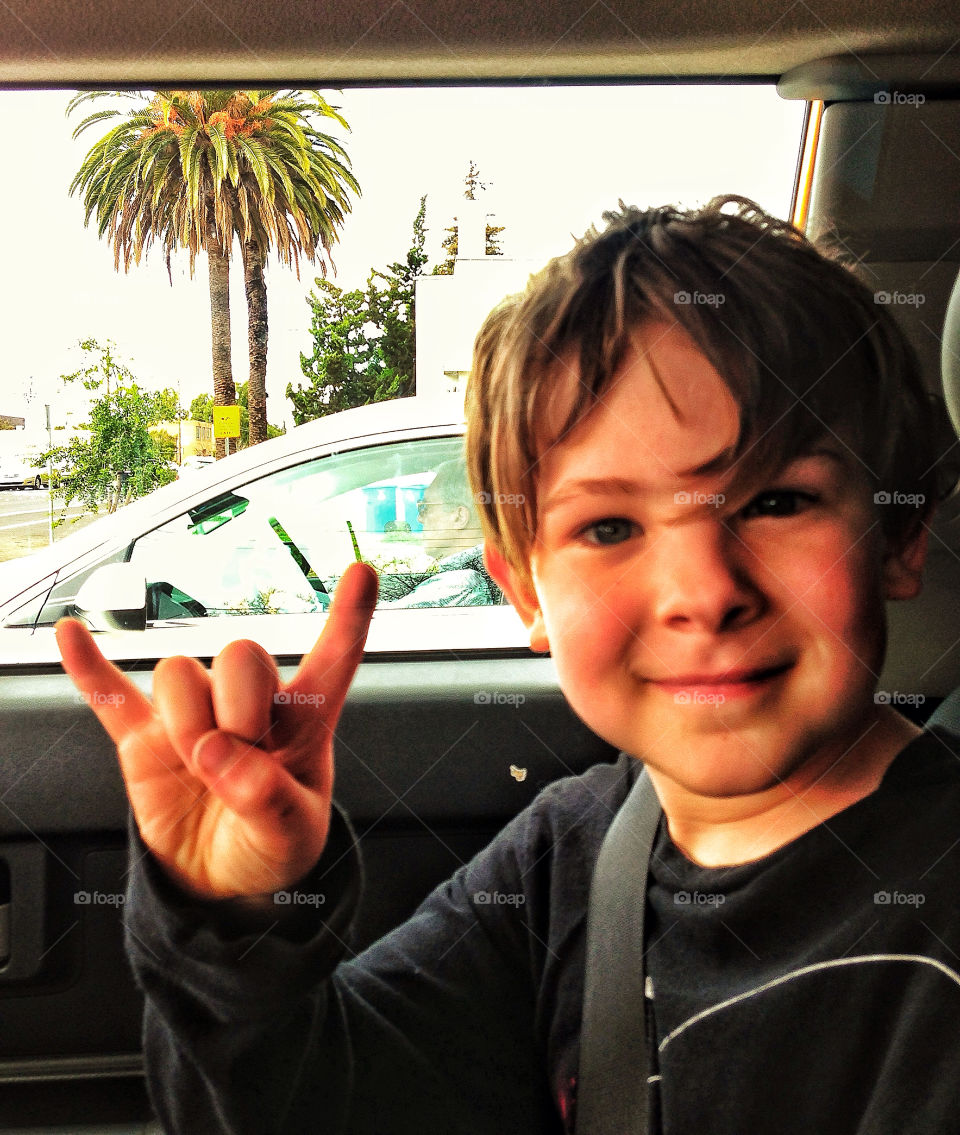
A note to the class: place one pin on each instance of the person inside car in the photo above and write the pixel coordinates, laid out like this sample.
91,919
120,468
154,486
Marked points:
715,445
453,535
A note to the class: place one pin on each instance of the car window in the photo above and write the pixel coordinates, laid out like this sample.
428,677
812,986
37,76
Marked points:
450,235
279,544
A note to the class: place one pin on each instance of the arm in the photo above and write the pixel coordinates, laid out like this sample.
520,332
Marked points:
229,777
462,588
250,1027
429,1029
236,1010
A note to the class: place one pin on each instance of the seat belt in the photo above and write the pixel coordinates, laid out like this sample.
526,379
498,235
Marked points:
612,1089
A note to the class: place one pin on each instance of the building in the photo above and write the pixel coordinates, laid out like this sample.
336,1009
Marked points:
451,308
192,438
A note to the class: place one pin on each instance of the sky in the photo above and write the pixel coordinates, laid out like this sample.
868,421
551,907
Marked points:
554,159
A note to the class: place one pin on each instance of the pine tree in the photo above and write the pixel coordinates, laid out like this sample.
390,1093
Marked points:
364,341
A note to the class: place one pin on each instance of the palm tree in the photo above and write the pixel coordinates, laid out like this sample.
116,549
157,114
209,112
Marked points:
292,194
192,169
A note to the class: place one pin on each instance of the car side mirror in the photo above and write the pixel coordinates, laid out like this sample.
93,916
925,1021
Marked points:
113,598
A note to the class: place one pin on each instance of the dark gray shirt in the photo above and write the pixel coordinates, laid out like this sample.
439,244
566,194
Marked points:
803,1002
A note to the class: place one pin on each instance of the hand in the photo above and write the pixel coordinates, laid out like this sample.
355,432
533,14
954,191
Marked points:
231,786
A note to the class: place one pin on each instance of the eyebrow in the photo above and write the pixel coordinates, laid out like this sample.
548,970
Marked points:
623,486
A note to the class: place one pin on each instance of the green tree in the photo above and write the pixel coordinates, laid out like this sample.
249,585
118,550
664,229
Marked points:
392,298
121,459
193,169
344,368
364,341
100,367
450,243
166,445
201,410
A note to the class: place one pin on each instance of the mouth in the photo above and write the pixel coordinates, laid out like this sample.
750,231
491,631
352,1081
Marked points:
720,685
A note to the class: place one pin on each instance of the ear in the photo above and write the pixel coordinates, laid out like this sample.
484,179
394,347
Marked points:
903,567
460,517
518,591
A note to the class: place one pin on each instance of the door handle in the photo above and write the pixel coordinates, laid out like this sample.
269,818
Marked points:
23,892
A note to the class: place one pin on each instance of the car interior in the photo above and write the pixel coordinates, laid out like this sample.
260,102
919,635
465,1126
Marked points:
431,763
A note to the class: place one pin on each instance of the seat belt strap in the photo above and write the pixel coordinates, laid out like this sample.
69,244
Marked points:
612,1089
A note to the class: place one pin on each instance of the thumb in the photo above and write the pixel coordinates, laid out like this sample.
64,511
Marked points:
283,817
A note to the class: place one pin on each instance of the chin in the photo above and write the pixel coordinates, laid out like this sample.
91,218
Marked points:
731,772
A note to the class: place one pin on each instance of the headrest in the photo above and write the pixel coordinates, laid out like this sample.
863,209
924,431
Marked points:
950,356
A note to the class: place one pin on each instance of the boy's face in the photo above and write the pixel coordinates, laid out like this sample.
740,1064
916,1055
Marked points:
729,643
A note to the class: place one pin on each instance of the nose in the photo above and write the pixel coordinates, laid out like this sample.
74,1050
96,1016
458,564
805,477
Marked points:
702,579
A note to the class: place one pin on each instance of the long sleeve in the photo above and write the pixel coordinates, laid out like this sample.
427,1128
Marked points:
271,1031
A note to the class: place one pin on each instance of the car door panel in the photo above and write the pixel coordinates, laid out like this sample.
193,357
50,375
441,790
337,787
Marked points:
433,756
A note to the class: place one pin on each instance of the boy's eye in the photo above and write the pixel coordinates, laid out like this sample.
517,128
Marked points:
778,502
610,530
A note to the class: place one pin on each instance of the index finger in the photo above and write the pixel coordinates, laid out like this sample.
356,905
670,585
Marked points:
331,664
120,706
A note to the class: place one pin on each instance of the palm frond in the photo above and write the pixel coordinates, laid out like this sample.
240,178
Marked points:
189,169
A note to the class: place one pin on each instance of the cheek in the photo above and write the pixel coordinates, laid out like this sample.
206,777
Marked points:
589,628
843,606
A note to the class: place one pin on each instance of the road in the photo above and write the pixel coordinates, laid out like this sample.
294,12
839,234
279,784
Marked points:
25,524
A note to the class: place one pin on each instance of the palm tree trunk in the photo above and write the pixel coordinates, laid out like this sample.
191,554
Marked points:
256,288
224,391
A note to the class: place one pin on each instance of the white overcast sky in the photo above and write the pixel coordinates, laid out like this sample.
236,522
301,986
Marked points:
555,158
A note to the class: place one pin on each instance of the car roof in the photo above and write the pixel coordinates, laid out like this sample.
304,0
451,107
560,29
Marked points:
144,43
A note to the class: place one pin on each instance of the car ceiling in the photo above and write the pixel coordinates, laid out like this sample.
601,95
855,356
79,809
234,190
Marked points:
150,42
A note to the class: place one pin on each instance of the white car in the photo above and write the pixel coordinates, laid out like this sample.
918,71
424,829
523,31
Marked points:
15,473
195,464
254,547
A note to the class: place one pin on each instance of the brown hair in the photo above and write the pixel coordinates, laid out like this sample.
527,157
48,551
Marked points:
803,347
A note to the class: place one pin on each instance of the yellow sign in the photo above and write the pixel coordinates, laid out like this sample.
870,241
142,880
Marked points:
226,421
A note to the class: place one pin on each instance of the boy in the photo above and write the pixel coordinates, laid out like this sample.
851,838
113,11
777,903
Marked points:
699,414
